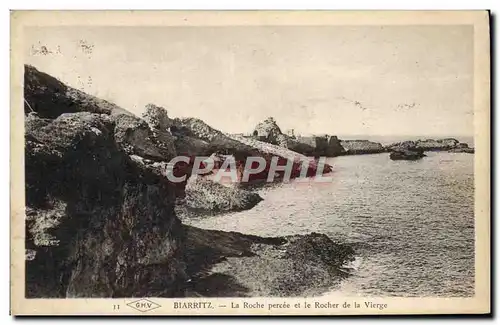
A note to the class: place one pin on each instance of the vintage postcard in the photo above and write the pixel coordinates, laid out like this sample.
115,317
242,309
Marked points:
250,162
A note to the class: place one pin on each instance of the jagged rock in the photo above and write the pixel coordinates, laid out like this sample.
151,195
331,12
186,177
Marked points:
199,129
448,144
191,147
405,154
234,264
441,144
134,136
359,147
98,224
325,145
301,147
205,195
269,131
198,137
207,139
160,124
282,140
333,147
405,145
462,148
157,117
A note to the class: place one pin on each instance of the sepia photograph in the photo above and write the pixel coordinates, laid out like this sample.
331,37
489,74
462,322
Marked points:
223,163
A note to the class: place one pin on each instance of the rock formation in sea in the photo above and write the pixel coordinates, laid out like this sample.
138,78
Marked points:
100,218
323,145
360,147
269,131
316,145
437,145
447,144
406,154
214,140
97,223
206,196
160,123
281,266
462,150
284,155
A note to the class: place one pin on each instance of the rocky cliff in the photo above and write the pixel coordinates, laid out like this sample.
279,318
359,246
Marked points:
97,223
100,218
269,131
280,266
204,196
406,154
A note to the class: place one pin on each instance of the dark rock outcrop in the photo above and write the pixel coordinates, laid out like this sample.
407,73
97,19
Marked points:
206,196
269,131
462,150
437,145
406,154
328,146
98,224
360,147
135,137
217,141
100,219
325,145
158,121
333,146
230,264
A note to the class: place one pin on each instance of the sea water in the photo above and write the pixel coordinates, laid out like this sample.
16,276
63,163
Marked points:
411,222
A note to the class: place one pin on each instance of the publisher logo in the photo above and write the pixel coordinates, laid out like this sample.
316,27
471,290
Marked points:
143,305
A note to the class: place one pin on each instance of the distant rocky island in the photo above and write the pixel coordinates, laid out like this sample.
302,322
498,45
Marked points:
331,146
102,220
414,150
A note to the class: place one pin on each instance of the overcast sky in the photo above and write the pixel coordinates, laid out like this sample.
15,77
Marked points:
373,80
